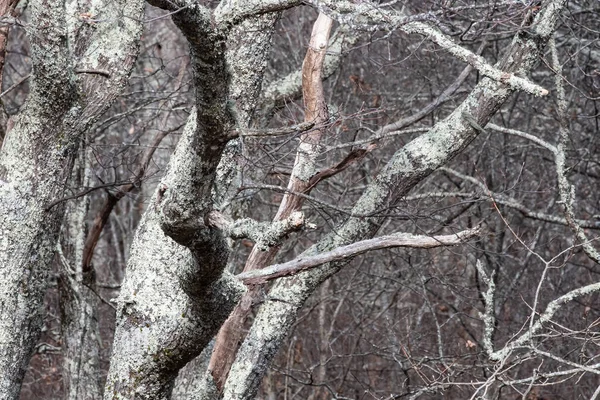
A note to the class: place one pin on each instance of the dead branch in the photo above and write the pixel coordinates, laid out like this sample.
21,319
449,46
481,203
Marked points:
344,252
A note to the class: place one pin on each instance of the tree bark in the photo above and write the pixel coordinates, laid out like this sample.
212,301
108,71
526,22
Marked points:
6,8
409,166
37,157
78,302
232,332
176,294
165,315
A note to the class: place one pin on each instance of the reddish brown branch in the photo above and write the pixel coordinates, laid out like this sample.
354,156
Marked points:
315,112
353,157
112,200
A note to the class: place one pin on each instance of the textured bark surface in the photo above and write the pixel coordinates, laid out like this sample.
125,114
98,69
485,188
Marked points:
6,8
232,332
160,326
37,157
193,378
176,295
78,302
409,165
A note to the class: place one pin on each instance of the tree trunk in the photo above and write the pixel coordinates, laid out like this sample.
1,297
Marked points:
232,333
37,157
409,166
78,302
176,294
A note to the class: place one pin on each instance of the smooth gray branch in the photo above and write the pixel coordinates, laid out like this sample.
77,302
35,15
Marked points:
354,249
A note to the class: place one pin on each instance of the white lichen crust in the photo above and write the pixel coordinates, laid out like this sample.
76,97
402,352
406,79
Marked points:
37,157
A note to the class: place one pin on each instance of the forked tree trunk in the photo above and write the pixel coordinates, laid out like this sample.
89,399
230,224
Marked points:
176,295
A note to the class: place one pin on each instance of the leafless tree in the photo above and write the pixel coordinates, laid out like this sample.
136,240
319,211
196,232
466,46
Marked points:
313,133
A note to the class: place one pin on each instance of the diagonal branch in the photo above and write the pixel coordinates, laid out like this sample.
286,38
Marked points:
286,130
474,60
352,158
231,333
367,13
409,166
102,217
502,199
422,113
345,252
545,317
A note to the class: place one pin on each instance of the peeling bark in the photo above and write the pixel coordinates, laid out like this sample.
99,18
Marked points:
409,166
232,332
289,87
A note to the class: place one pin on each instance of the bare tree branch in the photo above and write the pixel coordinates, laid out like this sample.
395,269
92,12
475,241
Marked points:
503,200
290,86
407,167
565,189
315,111
545,317
286,130
349,12
257,277
264,234
474,60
